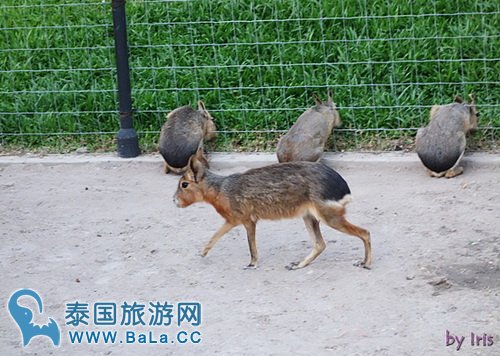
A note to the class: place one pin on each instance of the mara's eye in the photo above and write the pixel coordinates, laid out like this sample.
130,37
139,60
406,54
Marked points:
184,185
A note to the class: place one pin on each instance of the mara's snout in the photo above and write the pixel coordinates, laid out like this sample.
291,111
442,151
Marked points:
176,202
179,202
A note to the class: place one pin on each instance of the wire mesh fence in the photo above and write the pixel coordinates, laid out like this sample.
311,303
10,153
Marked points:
56,73
254,64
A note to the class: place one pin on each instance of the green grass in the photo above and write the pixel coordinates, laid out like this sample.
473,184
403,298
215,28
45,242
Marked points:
254,64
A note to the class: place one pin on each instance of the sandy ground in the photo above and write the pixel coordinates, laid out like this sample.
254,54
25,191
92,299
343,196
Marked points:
103,229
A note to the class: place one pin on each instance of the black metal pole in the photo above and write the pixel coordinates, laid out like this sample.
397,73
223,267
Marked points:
127,141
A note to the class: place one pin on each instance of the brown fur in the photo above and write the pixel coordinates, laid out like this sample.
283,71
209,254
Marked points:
306,139
441,144
313,191
183,134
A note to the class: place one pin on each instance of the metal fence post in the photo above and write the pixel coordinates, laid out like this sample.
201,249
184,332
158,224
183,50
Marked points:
127,141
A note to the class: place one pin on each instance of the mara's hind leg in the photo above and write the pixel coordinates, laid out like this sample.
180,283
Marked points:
312,226
340,223
456,169
453,172
434,174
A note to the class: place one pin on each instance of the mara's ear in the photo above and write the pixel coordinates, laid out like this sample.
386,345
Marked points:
200,156
317,101
330,99
458,99
472,98
203,110
473,111
196,165
201,105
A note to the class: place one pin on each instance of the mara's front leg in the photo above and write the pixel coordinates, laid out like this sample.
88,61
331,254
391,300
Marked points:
216,237
252,245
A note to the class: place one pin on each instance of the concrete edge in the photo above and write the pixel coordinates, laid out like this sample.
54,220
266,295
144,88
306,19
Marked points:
228,160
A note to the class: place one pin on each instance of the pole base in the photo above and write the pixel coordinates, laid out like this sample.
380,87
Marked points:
128,143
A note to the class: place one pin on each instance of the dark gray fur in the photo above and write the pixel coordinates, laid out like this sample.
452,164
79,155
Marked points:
186,123
306,139
265,188
183,134
442,142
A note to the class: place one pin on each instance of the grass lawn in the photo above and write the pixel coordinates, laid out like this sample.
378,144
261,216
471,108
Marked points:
254,63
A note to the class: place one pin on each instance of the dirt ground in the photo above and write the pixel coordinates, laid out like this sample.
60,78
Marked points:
102,229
